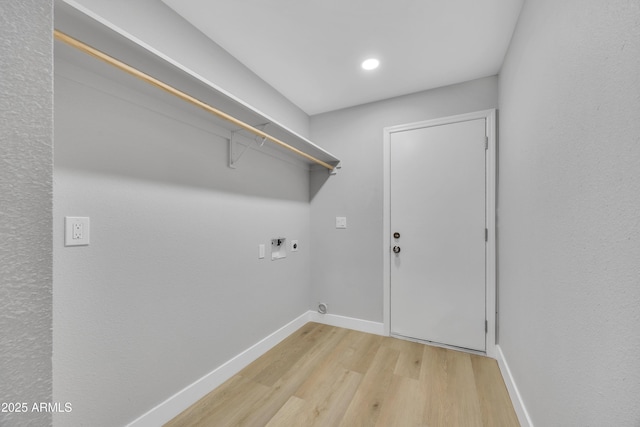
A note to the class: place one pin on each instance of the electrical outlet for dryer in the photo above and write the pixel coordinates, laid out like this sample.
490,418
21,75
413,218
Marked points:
278,248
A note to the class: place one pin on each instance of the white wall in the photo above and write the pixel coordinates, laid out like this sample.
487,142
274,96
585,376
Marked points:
26,140
569,209
171,286
347,264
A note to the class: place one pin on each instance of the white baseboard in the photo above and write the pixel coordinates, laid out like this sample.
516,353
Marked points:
186,397
516,398
347,322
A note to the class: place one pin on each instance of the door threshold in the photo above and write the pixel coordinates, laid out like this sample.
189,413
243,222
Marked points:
437,344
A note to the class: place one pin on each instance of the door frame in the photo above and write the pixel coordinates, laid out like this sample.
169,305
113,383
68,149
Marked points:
490,182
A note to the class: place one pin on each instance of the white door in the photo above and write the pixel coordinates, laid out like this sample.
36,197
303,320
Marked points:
437,207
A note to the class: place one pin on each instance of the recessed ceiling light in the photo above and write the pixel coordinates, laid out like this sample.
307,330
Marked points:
370,64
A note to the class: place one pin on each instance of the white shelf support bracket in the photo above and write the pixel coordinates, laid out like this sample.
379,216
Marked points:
234,156
235,153
334,171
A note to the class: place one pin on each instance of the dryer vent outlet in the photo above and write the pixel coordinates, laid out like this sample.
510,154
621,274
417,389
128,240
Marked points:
322,308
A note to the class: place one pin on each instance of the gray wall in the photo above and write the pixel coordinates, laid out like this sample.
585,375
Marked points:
569,209
347,264
171,286
26,141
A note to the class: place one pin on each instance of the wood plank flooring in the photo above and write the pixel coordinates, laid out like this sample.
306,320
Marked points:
327,376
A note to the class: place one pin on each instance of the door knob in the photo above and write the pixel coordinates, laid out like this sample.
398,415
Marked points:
396,249
396,235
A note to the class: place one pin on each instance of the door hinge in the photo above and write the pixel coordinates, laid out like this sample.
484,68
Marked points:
486,326
486,234
486,142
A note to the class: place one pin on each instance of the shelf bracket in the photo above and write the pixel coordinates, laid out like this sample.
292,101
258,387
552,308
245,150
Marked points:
236,153
334,171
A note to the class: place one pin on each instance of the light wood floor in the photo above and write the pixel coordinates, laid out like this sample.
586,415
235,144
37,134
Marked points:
327,376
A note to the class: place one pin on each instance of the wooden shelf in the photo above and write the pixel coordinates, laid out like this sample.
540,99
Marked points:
79,28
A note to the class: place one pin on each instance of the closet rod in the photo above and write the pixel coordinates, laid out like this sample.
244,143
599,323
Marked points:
185,97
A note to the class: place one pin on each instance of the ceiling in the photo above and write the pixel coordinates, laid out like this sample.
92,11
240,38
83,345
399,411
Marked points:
311,50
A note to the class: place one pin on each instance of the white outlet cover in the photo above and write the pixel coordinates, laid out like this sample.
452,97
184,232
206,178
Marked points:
341,222
76,231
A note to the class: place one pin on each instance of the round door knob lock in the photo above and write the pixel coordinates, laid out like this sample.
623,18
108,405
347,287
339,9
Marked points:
396,249
396,235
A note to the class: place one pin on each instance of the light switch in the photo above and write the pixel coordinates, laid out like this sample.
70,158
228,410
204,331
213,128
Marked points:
341,222
260,251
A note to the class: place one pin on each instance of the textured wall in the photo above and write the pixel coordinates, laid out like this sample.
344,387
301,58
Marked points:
26,139
347,264
569,211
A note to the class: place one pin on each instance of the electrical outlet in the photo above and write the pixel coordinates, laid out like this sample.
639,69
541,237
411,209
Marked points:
76,231
341,222
278,248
